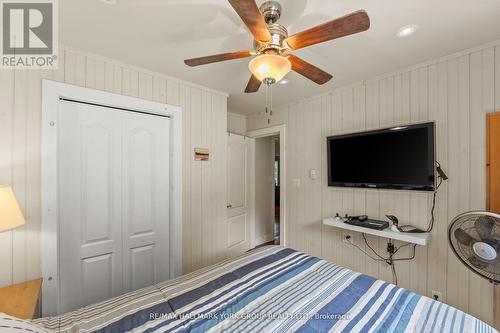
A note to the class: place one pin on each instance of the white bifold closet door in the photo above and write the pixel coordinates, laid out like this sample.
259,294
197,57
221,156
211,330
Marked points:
113,178
146,192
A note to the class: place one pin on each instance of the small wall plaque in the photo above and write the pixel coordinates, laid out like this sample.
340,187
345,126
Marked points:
201,154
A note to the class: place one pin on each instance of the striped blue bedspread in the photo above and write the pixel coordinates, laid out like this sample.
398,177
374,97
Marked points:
272,289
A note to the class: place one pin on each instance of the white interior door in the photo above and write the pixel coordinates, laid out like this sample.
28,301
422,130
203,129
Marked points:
239,237
146,176
264,190
90,234
113,178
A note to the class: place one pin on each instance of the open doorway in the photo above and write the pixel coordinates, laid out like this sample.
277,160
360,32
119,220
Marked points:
268,192
276,190
267,205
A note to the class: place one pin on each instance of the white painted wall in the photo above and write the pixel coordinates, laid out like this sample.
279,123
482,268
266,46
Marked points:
264,190
236,123
455,91
204,125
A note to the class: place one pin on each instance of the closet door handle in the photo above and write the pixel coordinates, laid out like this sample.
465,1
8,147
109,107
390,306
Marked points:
229,206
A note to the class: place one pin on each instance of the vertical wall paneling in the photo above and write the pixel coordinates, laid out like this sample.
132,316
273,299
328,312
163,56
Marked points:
206,107
185,98
204,125
19,158
33,173
236,123
6,146
196,204
455,92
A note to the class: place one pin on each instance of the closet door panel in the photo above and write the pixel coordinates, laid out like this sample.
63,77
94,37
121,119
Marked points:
97,278
146,188
89,204
142,266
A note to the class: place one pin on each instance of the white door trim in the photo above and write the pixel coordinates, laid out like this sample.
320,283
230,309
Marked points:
281,131
51,94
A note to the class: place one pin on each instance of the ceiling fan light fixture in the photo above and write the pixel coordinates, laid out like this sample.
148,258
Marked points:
270,66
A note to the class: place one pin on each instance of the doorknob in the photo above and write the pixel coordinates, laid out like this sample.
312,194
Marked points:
229,206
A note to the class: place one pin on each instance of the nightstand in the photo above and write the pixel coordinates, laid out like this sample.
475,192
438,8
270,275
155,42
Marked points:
21,300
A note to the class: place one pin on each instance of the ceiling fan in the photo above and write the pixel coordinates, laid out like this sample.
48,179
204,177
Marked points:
274,47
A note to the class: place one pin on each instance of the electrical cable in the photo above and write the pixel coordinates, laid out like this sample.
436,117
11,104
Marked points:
441,177
408,258
394,274
375,252
390,260
362,250
397,249
431,222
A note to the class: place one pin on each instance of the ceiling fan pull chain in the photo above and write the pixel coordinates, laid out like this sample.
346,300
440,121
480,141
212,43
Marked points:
267,103
266,98
271,101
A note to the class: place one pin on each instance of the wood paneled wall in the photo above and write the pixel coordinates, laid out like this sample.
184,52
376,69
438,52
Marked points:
236,123
204,125
456,92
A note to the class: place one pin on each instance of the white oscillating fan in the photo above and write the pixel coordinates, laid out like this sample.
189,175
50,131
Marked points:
475,239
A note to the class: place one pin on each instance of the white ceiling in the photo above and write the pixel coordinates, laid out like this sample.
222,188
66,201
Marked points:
159,34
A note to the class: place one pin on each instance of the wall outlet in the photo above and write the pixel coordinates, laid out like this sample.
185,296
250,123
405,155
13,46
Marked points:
437,295
346,238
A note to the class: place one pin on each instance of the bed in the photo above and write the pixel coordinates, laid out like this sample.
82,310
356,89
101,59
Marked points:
272,289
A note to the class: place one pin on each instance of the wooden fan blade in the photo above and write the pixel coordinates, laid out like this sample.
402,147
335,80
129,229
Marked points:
217,58
311,72
253,85
251,16
343,26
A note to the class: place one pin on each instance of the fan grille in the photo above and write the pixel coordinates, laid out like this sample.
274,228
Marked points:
480,227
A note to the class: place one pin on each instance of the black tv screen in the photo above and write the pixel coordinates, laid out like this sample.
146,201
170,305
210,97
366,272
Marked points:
395,158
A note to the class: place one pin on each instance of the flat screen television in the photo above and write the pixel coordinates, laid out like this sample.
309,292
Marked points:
401,157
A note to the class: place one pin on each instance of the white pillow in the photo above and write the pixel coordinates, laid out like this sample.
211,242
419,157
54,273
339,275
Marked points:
9,324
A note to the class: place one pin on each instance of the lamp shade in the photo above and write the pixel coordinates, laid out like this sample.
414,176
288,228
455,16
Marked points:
11,216
270,66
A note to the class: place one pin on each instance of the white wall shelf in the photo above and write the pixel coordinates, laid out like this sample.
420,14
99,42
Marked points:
419,239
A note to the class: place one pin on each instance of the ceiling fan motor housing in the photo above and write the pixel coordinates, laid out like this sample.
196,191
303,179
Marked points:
271,11
275,45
